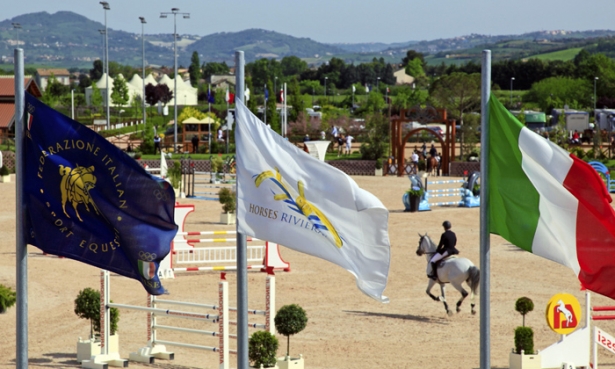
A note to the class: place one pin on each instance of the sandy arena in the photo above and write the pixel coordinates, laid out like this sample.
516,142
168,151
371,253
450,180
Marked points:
346,329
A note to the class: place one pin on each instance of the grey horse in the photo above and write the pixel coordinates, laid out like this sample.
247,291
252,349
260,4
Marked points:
454,270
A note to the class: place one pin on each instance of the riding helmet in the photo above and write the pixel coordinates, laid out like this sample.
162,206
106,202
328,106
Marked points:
446,224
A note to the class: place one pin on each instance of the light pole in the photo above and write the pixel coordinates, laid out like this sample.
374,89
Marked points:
174,11
595,80
511,86
106,7
326,78
275,86
143,68
72,104
377,84
17,26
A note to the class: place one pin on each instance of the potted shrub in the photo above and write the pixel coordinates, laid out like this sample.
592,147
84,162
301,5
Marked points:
8,297
174,173
289,320
229,205
378,166
87,306
262,348
522,356
217,166
414,198
5,174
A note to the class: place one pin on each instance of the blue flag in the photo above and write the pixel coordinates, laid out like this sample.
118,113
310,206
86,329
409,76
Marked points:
211,97
266,94
87,200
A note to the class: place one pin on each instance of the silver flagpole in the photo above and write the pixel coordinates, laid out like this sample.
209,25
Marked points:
485,265
20,239
242,258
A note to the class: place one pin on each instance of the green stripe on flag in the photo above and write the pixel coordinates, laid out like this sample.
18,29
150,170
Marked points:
513,200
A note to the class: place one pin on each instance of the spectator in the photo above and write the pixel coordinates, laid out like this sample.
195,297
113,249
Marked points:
157,144
349,139
195,143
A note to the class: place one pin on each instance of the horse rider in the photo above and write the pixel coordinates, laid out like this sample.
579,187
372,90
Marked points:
433,152
446,247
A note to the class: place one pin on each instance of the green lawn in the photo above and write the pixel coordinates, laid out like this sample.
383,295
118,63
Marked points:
563,55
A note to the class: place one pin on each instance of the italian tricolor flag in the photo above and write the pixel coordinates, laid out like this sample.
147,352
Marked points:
548,202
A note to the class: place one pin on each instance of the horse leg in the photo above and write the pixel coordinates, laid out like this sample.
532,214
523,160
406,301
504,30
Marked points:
463,292
428,290
443,299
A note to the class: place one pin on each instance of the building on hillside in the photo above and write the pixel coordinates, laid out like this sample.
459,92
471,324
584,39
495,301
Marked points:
43,76
401,78
222,81
7,102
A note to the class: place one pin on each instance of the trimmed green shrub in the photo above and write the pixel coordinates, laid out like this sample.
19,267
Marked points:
379,163
523,306
227,199
524,340
8,297
4,171
289,320
87,306
262,349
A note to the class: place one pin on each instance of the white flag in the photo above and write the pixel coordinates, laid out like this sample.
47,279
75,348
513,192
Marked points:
246,95
353,89
366,88
163,165
286,196
227,97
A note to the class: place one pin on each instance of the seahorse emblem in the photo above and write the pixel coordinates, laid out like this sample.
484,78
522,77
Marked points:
75,187
301,205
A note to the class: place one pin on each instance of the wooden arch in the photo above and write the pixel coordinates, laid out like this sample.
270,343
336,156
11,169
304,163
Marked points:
424,116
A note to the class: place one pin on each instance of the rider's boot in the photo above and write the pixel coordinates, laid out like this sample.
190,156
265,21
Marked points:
433,274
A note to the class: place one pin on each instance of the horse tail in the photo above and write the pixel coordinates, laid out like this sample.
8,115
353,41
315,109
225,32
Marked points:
474,279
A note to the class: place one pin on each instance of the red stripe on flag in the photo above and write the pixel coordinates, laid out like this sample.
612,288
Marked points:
595,228
30,118
152,270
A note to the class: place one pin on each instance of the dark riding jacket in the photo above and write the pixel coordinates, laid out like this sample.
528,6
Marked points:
448,241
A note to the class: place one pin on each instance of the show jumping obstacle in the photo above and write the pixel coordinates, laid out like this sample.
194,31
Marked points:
156,348
463,191
185,256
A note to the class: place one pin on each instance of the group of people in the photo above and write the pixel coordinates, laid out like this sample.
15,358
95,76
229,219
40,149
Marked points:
433,152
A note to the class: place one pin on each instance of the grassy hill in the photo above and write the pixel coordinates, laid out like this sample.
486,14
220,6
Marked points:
564,55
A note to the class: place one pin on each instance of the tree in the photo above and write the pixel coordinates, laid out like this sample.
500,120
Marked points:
289,320
273,118
375,103
164,94
415,68
97,71
87,306
296,100
212,68
458,93
96,98
559,91
84,82
119,95
376,143
292,66
195,69
411,55
151,95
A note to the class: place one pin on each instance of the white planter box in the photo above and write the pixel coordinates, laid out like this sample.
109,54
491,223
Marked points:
291,362
521,361
378,172
227,218
91,347
6,179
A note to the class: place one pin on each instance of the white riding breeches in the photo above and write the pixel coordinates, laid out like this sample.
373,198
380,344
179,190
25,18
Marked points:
437,256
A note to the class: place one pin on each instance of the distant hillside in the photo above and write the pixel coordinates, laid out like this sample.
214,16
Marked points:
68,40
259,43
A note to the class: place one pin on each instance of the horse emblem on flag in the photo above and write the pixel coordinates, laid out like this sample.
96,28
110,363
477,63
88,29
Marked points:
75,187
301,205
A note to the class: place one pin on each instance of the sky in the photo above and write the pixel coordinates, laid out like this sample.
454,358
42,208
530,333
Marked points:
341,21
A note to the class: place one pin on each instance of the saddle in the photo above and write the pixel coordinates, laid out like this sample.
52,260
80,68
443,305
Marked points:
442,261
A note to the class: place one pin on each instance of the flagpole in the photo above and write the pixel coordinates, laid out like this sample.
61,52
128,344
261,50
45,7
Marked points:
20,239
265,103
485,265
209,111
285,111
242,247
227,98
